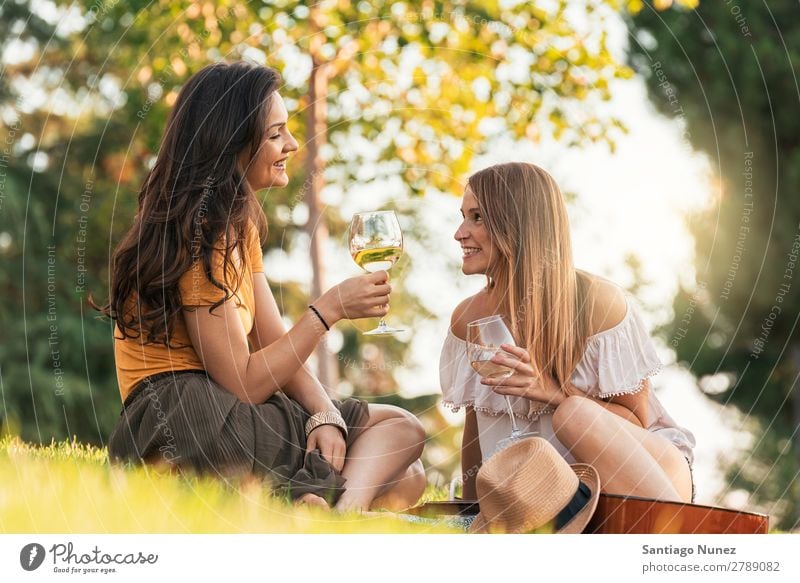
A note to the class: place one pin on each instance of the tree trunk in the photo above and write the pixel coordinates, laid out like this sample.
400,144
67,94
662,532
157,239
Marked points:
316,227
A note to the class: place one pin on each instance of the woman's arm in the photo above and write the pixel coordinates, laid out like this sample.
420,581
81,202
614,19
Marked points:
268,327
220,341
631,406
526,382
609,308
303,387
471,457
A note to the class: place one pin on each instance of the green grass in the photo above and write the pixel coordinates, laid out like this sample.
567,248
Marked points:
70,487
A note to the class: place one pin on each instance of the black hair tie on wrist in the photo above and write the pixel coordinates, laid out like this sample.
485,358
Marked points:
321,319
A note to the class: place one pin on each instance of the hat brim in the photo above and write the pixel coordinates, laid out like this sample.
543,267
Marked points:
589,476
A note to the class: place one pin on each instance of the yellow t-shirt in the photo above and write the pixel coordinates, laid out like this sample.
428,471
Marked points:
136,359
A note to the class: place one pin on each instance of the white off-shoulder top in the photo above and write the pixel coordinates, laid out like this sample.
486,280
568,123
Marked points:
617,361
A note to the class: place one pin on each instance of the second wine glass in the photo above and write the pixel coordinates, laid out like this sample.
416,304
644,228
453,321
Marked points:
484,338
376,243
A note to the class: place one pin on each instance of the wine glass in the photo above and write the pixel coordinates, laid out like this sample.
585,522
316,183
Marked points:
376,243
484,338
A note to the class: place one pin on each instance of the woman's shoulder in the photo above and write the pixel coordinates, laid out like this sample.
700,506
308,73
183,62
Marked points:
472,308
607,302
620,352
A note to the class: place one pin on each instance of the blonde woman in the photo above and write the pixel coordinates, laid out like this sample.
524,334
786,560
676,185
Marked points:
584,356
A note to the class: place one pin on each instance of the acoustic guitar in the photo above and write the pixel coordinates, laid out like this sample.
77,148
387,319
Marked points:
617,514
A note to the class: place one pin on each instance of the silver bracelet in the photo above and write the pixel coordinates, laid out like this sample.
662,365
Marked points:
326,418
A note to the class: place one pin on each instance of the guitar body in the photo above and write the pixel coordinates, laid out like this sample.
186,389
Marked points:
633,515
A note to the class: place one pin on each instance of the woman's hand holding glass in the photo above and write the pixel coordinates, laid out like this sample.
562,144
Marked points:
525,381
485,339
363,296
376,243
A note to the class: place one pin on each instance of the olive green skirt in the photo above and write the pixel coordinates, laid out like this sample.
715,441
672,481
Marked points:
187,421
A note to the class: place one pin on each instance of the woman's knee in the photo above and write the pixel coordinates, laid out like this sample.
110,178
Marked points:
676,467
405,424
573,418
415,433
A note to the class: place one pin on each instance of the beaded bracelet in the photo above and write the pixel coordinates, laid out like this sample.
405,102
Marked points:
326,418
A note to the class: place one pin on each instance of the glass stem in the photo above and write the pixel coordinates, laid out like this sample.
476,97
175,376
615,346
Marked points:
514,428
382,323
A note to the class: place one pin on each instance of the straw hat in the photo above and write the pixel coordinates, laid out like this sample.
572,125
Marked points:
527,485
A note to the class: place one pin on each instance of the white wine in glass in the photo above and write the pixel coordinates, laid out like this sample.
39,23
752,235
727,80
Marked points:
484,338
373,260
376,243
486,368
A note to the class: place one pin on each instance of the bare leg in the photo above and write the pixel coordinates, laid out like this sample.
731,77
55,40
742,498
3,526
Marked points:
404,491
391,442
630,459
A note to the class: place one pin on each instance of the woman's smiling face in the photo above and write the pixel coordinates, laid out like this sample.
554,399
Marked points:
268,166
478,250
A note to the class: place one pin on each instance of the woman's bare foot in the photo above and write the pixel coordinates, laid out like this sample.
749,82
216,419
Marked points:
310,499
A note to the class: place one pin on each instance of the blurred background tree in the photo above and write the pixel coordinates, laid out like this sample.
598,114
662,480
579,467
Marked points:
728,70
383,96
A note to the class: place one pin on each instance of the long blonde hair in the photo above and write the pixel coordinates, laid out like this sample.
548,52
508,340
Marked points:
544,296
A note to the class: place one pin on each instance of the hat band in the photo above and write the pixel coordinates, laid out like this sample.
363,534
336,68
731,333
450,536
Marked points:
579,500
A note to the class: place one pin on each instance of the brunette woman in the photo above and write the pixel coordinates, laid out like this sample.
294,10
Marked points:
210,378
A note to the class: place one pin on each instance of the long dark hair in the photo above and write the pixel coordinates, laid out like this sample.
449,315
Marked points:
195,200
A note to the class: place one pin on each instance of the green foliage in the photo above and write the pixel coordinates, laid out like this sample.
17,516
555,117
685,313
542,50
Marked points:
727,71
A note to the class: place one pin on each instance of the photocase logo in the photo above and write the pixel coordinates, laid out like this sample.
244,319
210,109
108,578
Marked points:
31,556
